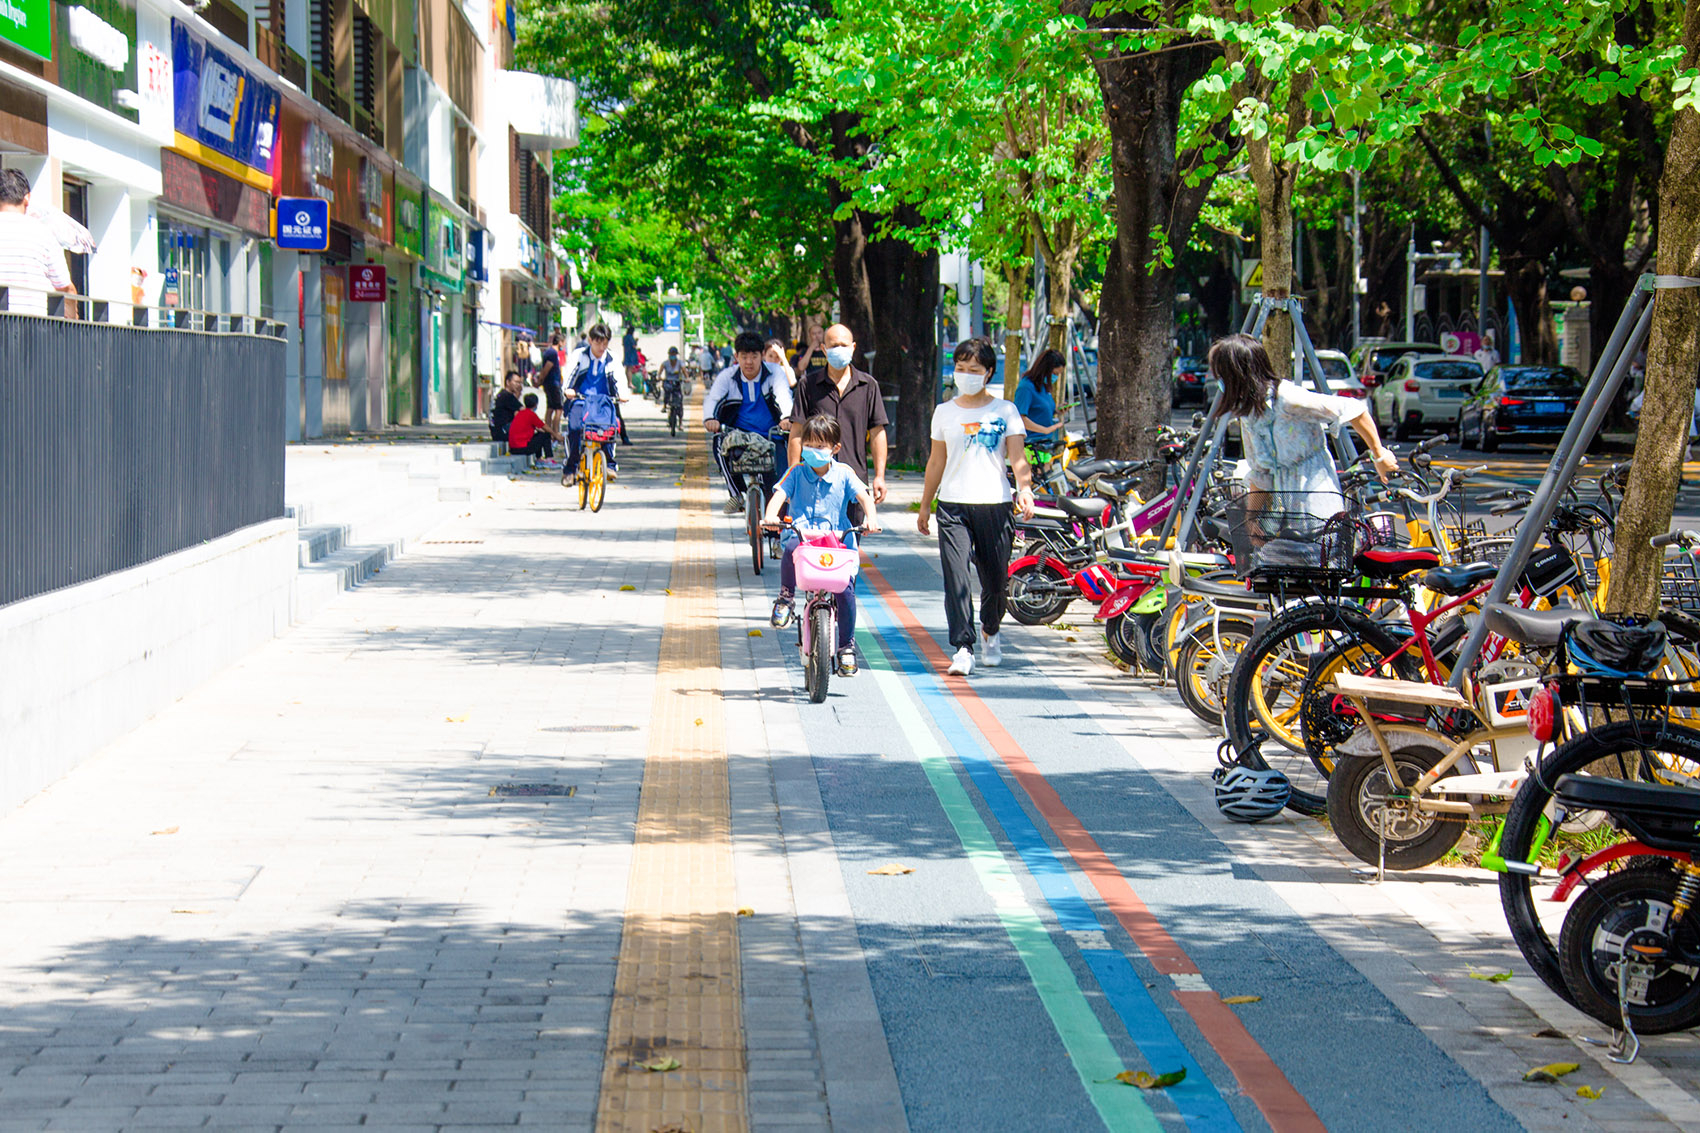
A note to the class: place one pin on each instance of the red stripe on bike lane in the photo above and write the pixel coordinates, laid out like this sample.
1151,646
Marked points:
1259,1078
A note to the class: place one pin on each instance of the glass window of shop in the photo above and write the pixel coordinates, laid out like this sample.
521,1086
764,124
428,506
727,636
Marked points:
206,269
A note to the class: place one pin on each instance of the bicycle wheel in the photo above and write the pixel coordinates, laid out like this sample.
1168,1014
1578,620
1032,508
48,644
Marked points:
584,476
1655,750
1205,663
598,478
1324,720
1590,949
1031,598
817,667
1377,823
1263,691
754,505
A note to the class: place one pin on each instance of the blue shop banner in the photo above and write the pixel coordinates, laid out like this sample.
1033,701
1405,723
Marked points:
226,118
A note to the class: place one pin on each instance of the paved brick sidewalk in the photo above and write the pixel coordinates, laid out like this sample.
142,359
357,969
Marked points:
297,898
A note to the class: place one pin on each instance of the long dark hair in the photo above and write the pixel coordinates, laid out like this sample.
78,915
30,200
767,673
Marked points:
1248,379
1045,365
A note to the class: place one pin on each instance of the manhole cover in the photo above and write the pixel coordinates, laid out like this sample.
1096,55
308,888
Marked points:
532,790
592,728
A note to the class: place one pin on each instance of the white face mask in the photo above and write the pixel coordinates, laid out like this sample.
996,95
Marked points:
839,357
969,384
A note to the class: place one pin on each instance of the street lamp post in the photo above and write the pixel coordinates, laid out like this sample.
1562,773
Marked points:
1412,256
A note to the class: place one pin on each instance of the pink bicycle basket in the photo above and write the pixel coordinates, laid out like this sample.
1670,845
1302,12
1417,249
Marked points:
824,563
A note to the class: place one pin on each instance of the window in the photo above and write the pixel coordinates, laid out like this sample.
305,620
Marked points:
365,63
77,208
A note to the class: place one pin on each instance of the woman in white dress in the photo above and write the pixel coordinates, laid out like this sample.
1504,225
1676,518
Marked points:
1285,428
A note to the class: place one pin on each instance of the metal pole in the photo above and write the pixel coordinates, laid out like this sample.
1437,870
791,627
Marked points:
1357,264
1607,379
1196,497
1411,287
1482,287
1343,443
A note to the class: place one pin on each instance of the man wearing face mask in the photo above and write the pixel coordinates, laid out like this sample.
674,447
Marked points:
850,396
751,396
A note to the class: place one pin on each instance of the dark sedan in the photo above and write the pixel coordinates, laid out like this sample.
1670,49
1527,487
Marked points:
1189,380
1519,404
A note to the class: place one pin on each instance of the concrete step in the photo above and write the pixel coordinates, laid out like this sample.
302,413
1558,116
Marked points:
320,541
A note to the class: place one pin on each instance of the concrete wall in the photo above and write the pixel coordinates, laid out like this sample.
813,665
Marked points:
86,664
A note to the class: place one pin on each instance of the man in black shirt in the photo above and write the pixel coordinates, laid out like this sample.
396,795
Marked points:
502,410
852,396
549,377
810,361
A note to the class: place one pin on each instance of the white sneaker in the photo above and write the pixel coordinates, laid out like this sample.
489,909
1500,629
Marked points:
963,663
991,650
733,507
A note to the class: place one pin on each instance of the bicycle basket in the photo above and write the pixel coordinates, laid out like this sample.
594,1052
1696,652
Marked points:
601,436
1271,533
748,452
1679,586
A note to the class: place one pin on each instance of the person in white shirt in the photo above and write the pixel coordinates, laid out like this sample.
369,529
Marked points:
973,436
751,396
32,263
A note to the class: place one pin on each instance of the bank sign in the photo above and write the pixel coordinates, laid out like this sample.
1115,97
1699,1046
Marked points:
225,118
28,24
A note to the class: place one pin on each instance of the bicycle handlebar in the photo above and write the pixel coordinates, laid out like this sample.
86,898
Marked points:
1681,537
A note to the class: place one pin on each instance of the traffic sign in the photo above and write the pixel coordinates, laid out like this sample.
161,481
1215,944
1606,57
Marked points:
1251,274
303,224
672,317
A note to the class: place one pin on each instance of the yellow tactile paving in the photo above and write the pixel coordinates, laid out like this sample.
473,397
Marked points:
676,991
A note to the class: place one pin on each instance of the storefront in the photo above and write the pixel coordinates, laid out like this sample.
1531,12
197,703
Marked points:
403,259
446,319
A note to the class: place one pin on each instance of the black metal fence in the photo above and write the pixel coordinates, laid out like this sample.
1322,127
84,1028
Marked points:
119,444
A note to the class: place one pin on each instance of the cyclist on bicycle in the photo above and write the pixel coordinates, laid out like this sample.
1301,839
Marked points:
820,491
751,396
591,370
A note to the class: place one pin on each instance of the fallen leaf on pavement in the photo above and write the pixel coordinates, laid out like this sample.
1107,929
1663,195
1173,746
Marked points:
1551,1072
669,593
699,721
167,830
755,633
1146,1080
1242,999
891,869
193,912
656,1065
1491,977
1589,1093
1071,637
1549,1033
454,719
628,586
746,911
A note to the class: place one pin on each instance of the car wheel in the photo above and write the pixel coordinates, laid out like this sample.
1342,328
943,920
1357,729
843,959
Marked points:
1462,434
1488,437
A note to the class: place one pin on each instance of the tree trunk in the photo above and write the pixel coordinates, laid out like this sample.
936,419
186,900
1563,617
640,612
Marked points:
1155,209
1526,281
904,285
1061,274
1016,299
1274,182
1673,355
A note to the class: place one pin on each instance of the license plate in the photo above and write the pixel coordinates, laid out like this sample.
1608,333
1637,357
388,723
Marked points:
1451,392
1549,407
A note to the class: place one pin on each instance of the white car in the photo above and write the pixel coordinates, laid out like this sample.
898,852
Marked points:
1423,393
1335,367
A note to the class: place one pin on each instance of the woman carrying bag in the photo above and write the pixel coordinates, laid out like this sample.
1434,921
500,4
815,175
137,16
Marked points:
974,434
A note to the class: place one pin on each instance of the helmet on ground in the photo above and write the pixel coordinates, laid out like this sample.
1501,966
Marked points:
1245,794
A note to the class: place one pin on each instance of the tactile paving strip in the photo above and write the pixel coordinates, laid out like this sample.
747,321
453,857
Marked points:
676,992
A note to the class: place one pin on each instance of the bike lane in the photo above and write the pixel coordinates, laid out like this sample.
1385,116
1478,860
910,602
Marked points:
1068,918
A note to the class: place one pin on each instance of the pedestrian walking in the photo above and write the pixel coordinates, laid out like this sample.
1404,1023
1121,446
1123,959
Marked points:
32,261
973,436
851,397
549,377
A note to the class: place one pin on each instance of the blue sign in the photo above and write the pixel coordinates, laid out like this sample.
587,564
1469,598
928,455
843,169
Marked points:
303,224
171,277
672,317
475,257
225,117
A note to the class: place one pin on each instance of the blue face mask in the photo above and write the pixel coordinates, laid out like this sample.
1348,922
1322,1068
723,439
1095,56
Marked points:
839,357
817,457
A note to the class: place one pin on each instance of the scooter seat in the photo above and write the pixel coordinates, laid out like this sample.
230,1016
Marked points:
1078,508
1115,489
1460,578
1530,627
1662,816
1098,465
1394,562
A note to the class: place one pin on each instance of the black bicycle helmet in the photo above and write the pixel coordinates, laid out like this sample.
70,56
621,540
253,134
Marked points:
1245,794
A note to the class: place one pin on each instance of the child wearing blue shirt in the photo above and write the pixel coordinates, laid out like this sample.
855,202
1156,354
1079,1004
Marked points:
820,491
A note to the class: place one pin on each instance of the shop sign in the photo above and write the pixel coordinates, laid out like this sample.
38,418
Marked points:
225,117
28,24
368,283
372,192
531,255
318,161
409,219
98,39
303,224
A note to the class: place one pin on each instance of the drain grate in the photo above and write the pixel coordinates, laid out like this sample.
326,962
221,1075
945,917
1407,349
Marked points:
532,790
451,542
591,728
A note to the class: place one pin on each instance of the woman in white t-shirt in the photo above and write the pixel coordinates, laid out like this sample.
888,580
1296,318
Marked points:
973,435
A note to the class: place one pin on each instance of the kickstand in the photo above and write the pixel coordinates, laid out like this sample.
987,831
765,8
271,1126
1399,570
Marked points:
1380,873
1625,1044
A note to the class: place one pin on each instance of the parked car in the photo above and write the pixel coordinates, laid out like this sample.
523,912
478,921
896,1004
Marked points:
1337,368
1190,375
1514,404
1372,359
1423,392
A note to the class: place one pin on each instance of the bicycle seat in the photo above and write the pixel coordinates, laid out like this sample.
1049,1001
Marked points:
1395,562
1208,589
1662,816
1459,578
1079,508
1114,489
1531,627
1098,465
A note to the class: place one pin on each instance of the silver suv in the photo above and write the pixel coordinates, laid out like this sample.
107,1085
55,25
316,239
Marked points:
1423,392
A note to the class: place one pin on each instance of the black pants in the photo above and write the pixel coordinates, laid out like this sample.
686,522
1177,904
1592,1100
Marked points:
541,445
981,534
